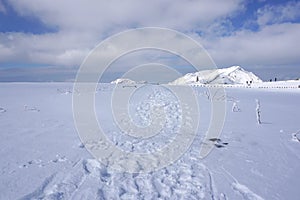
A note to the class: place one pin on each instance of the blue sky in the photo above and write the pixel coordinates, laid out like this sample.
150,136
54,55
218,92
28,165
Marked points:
48,40
11,21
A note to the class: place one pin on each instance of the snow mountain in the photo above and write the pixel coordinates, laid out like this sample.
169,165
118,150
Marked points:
230,75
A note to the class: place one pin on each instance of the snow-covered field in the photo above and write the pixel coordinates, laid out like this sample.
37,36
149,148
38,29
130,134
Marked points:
42,156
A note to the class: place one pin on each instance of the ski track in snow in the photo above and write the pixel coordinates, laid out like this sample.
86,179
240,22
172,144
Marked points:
246,192
243,190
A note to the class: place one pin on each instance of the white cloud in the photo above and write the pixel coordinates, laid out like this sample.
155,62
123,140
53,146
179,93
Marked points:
273,45
103,15
2,8
272,14
81,24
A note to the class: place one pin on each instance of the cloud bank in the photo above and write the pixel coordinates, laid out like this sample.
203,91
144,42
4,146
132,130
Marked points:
80,25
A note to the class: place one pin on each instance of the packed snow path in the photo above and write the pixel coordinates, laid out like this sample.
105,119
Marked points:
43,158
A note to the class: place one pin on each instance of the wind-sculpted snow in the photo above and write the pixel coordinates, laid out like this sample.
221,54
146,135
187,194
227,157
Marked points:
42,156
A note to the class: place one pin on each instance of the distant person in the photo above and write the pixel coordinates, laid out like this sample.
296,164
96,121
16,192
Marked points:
275,79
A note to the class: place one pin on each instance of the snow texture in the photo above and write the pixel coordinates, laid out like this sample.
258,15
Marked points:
42,156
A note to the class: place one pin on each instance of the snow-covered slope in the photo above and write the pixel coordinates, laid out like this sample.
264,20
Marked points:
231,75
127,81
123,81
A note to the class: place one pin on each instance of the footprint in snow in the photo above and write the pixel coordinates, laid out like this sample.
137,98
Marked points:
296,136
32,109
40,163
37,162
64,91
218,142
2,110
59,159
81,145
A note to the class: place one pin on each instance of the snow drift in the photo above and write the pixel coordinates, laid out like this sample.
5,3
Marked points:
231,75
123,81
127,81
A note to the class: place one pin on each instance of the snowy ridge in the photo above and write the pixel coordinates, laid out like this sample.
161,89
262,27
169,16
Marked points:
127,81
231,75
123,81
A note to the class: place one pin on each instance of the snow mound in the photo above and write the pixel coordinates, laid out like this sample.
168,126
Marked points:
231,75
127,81
123,81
